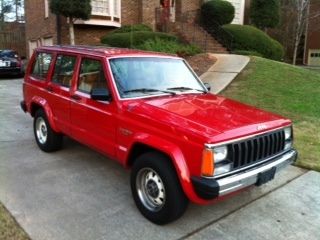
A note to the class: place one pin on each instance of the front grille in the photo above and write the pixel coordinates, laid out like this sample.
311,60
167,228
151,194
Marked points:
256,149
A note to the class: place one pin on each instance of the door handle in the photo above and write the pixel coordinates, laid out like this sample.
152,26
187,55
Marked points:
49,89
76,97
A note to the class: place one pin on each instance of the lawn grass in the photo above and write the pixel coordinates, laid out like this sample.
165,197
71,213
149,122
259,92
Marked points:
9,228
290,91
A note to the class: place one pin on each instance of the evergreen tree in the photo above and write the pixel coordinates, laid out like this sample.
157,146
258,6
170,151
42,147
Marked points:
265,13
72,9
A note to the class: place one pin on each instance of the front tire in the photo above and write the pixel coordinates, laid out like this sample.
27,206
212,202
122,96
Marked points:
156,189
47,139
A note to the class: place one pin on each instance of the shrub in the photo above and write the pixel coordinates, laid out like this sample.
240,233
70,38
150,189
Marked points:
247,53
265,14
219,10
134,39
249,38
133,28
169,46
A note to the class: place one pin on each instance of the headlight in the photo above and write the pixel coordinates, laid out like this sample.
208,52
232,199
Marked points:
287,133
220,153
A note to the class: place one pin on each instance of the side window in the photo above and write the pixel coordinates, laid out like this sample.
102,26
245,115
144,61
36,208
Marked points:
41,65
91,76
63,70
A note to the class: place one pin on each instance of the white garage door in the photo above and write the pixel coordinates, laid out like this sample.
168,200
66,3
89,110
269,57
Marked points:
47,42
314,57
32,45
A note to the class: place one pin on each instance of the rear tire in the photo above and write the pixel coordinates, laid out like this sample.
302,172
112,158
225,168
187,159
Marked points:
156,189
47,139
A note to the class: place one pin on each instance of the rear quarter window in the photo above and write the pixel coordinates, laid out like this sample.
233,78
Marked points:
41,65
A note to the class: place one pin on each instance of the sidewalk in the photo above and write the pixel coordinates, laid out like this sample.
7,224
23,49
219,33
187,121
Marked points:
221,74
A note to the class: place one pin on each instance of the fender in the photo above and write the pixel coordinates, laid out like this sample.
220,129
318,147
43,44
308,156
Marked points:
44,104
177,158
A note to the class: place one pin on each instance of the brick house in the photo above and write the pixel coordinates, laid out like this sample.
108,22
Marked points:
45,28
312,40
12,36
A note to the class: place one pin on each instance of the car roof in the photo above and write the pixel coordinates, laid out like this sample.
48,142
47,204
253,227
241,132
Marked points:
103,51
7,50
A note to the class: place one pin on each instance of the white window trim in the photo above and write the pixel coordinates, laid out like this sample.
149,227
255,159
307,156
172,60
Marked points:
46,8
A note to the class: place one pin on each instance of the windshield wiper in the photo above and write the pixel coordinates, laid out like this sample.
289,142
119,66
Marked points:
148,90
186,89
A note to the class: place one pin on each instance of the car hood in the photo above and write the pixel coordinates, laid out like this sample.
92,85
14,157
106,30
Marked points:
214,117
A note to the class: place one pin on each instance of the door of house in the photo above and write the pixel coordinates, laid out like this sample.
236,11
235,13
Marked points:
314,57
168,10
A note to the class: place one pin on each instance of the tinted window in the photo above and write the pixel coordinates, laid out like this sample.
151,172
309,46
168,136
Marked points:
91,76
63,70
41,65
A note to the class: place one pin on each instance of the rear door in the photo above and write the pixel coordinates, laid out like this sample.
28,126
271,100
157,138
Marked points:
59,90
93,122
37,80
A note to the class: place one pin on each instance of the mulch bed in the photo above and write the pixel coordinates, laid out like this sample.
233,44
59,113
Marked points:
201,62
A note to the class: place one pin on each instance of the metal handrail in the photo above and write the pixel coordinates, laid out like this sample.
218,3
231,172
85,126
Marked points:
211,26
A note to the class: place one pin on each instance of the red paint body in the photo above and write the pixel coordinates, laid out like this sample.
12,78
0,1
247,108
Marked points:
177,125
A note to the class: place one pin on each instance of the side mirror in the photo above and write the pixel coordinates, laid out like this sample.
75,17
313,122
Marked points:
207,85
100,94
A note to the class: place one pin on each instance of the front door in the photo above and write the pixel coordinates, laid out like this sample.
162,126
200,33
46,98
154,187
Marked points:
93,122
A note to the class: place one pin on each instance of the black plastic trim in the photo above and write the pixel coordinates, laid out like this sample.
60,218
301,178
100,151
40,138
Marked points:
23,106
205,188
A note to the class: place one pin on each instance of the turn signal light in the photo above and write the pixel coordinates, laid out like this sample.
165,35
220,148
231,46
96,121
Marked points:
207,167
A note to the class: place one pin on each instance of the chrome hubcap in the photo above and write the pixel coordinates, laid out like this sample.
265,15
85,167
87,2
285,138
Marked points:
41,130
150,189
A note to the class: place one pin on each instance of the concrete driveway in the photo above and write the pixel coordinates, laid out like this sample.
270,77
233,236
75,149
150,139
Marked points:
77,193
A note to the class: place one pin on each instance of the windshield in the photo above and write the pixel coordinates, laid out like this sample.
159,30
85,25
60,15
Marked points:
143,76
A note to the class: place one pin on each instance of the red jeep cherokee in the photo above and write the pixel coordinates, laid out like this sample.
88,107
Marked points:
151,113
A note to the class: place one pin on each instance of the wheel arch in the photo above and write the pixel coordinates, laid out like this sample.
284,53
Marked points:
173,153
40,103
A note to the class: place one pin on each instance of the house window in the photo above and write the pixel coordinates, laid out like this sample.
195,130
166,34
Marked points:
100,7
46,8
116,8
104,13
106,7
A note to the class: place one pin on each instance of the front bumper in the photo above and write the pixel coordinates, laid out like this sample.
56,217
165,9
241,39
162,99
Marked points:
210,188
10,70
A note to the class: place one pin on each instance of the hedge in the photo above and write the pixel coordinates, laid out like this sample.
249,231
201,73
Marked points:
168,46
249,38
219,10
134,39
133,28
247,53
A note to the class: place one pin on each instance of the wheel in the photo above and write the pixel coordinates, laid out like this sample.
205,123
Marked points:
47,139
156,188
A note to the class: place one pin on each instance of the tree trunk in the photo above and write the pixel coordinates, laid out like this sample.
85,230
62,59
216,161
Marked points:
71,31
295,52
16,12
